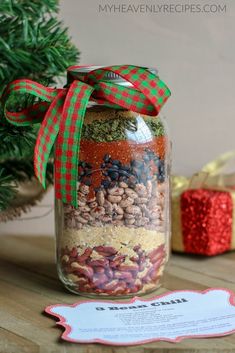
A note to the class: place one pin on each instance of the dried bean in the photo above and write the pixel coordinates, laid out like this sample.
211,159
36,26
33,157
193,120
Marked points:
82,258
161,187
79,225
84,189
97,212
116,191
100,279
123,275
145,211
117,261
100,263
141,200
114,199
123,185
72,277
138,283
141,190
138,222
118,217
129,221
70,223
106,158
126,202
109,272
149,187
111,285
100,198
156,222
133,267
84,209
156,251
131,193
82,220
95,223
106,218
74,252
82,281
120,289
118,209
128,216
65,258
105,250
117,222
81,203
81,197
99,269
93,204
108,207
85,270
154,216
157,200
133,210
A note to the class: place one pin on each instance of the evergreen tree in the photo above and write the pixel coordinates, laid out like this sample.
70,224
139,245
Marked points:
33,44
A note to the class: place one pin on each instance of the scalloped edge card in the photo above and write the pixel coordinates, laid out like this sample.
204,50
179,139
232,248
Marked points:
171,317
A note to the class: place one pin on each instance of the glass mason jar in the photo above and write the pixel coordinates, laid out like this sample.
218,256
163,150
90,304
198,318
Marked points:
116,243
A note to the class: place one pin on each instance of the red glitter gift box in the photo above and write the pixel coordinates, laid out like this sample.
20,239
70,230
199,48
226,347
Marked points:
203,212
206,221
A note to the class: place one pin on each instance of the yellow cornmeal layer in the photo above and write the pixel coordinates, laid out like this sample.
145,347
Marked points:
123,239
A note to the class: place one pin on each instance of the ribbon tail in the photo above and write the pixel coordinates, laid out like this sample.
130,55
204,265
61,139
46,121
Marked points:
216,166
178,184
47,135
68,142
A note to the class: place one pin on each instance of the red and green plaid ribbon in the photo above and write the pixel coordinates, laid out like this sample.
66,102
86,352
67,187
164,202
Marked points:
61,113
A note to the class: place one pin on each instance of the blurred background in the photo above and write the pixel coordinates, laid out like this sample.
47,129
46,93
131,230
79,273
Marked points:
195,55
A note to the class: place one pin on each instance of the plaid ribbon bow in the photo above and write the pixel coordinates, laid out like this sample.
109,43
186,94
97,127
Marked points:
61,113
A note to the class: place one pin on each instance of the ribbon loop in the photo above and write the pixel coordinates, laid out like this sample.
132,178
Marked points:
34,113
209,177
62,111
147,87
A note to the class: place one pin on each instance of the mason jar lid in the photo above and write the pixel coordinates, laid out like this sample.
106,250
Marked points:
109,76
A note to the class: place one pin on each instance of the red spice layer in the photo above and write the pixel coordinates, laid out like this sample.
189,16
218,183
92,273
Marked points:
125,151
93,152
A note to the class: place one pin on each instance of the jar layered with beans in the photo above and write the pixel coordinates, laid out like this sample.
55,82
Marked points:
115,243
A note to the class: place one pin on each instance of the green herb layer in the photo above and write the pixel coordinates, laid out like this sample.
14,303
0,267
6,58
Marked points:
122,129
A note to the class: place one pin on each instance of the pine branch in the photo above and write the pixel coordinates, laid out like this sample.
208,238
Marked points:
13,172
33,43
21,170
7,189
16,141
36,45
32,7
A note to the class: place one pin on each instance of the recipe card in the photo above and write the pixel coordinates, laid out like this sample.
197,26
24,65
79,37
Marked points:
171,317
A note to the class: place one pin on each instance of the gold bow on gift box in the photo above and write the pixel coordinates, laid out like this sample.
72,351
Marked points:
211,177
